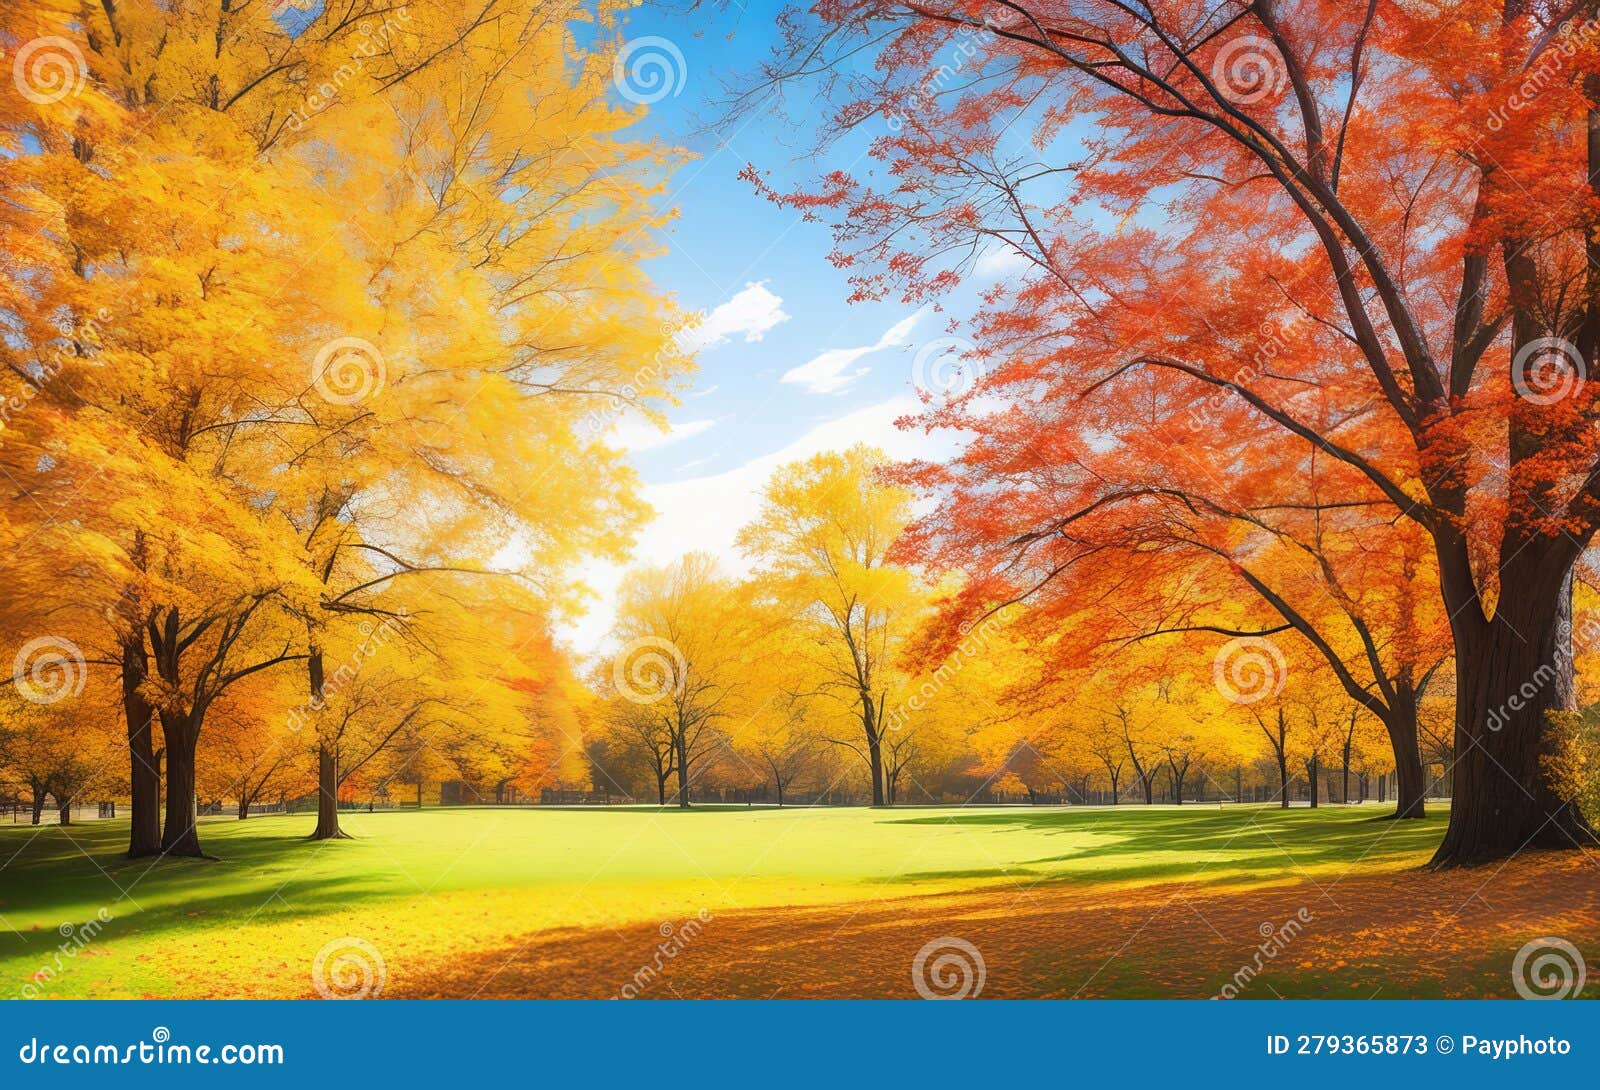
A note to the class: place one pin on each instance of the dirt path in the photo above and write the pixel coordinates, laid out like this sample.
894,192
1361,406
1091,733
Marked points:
1390,936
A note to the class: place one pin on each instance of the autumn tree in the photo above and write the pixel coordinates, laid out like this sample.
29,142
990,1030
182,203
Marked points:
1370,169
821,540
681,659
335,425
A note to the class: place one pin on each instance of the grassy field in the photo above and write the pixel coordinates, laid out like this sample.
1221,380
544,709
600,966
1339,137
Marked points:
453,899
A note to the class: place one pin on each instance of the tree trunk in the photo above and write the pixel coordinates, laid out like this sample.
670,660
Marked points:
683,770
1283,781
661,788
244,808
1313,767
328,795
179,833
144,774
1512,672
1410,782
874,751
64,809
38,805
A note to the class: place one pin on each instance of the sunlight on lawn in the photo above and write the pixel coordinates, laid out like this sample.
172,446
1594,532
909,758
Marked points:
421,886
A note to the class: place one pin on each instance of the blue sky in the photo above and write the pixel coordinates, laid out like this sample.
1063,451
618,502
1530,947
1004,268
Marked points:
794,368
768,270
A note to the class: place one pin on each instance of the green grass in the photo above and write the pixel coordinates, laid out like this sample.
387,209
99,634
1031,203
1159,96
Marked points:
424,885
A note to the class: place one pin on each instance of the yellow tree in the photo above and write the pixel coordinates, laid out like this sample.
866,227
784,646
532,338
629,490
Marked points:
820,542
681,661
280,229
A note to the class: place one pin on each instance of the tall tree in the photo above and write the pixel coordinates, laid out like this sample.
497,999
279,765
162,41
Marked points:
1371,168
821,540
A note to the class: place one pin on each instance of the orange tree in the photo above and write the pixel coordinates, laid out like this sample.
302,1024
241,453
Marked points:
1389,181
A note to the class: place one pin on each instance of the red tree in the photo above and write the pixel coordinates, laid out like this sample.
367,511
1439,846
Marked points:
1359,239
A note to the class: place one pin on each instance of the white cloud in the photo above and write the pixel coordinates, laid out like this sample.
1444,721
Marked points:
705,513
1000,262
634,432
825,373
751,313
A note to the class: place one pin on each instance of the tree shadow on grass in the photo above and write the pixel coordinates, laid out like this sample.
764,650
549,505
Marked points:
1208,847
54,881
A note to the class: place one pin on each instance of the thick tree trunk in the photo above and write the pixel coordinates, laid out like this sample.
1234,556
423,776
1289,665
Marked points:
64,809
1410,781
1512,672
244,809
38,805
328,796
179,833
144,773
